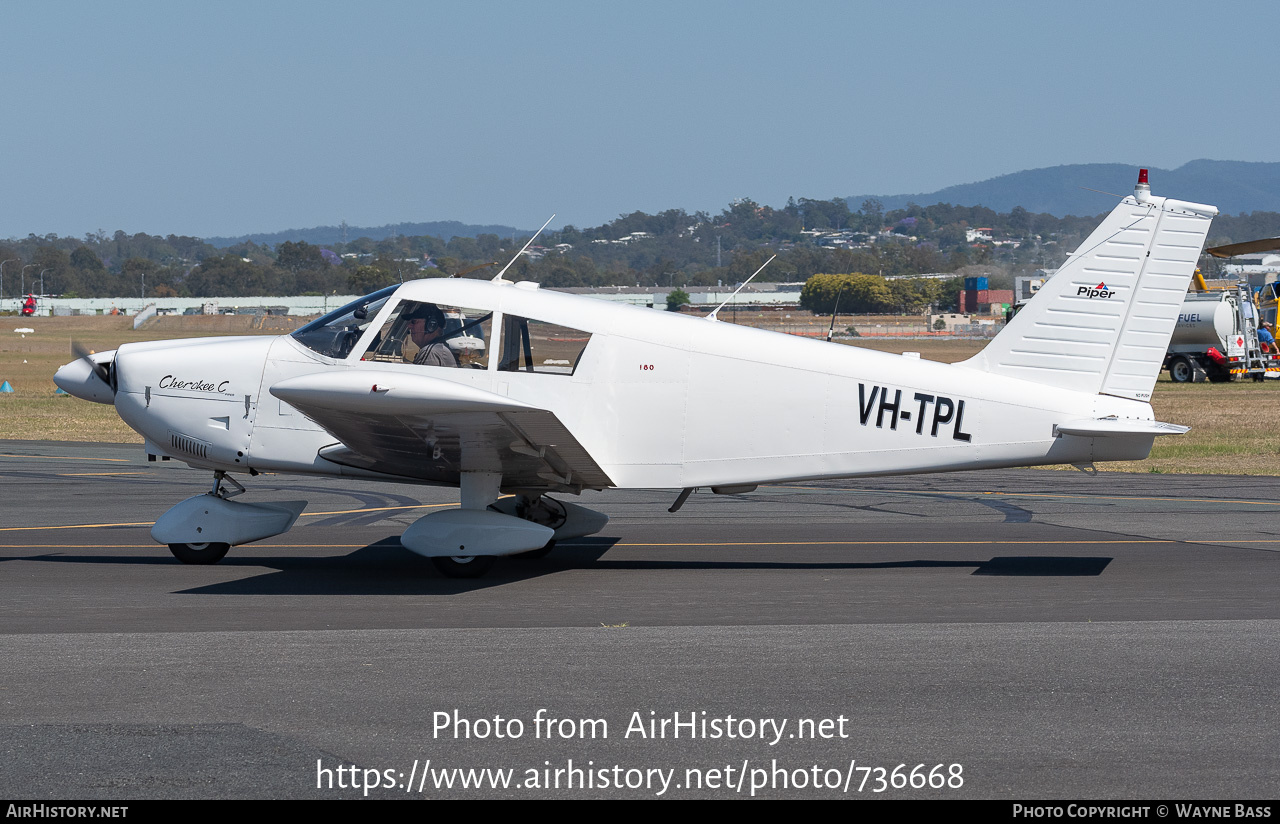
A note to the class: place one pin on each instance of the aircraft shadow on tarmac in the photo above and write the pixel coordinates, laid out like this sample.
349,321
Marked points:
387,568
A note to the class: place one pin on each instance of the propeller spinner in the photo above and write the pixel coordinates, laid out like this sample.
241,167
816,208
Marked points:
89,376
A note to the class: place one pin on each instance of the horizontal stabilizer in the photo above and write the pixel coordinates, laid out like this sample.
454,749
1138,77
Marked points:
1118,428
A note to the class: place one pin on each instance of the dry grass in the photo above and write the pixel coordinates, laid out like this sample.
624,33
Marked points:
1233,427
946,350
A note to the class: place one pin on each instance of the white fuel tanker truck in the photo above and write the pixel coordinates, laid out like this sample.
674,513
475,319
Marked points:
1216,337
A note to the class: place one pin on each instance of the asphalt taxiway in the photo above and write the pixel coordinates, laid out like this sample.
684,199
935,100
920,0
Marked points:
1055,634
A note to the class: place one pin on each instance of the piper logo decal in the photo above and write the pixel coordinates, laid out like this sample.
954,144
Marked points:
1099,291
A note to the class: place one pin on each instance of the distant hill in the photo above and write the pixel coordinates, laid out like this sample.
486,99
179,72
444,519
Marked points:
321,235
1233,186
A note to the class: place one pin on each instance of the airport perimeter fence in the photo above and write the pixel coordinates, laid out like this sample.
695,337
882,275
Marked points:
792,321
871,329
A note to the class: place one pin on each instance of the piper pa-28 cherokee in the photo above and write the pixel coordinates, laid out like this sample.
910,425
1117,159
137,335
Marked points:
511,392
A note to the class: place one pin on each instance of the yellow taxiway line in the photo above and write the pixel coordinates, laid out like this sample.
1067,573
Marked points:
65,458
376,509
1032,495
156,546
151,523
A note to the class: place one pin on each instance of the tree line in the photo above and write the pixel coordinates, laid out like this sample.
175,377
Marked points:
670,249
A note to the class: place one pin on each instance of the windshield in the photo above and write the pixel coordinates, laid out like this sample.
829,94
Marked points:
335,334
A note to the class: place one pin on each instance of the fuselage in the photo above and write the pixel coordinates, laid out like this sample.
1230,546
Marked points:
657,399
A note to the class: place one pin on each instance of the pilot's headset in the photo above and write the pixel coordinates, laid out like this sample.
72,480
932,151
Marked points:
432,316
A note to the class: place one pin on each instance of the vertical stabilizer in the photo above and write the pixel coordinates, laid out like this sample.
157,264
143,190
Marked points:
1102,323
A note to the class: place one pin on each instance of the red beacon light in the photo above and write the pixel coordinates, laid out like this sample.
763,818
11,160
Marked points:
1142,192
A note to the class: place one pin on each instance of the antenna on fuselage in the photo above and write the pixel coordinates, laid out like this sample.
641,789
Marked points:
498,277
835,312
712,316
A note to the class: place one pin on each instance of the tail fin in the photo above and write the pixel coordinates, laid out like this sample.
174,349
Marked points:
1102,323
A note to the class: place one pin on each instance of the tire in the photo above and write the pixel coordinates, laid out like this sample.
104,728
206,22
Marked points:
463,566
1181,370
540,552
207,553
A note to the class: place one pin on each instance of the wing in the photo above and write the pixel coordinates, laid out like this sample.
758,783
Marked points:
1249,247
430,429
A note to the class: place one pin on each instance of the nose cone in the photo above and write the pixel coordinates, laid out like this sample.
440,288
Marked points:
81,379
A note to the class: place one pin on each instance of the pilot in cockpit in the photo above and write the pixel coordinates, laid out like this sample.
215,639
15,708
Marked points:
426,328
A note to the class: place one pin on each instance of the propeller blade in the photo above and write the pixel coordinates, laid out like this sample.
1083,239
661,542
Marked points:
99,369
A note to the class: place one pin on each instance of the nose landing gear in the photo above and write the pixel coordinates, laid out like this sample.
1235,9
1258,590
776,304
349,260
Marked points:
202,529
207,553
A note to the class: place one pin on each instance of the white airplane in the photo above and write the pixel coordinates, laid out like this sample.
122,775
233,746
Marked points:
511,393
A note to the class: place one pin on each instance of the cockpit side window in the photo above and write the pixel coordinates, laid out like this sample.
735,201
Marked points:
336,334
428,334
530,345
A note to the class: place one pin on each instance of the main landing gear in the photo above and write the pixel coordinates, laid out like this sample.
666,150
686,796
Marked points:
523,526
541,510
451,537
463,566
209,552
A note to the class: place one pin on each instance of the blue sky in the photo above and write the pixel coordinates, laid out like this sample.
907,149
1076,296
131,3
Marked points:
227,118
